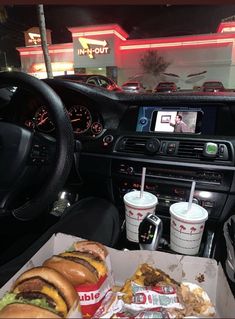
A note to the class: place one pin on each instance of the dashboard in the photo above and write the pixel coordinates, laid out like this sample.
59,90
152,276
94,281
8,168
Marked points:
120,133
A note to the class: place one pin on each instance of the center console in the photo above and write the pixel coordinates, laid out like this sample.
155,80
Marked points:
171,183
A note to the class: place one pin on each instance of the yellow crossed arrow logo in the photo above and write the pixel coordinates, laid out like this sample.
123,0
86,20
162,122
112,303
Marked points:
85,44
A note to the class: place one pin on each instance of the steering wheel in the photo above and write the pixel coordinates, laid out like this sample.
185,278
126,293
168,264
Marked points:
24,152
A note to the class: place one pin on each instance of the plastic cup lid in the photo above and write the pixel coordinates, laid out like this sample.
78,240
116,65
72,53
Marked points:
196,214
146,201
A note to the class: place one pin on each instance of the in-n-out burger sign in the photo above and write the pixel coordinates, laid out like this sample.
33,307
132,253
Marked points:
32,37
101,47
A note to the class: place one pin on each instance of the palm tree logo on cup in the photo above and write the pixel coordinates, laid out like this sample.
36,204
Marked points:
182,228
130,213
192,230
139,216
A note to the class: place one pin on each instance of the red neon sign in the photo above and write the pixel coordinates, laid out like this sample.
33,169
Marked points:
53,49
91,33
177,42
99,30
226,27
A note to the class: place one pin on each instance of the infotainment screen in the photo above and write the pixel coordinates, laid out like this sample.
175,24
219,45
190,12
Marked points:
174,120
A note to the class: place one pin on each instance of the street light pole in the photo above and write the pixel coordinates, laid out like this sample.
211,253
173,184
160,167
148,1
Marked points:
5,58
42,27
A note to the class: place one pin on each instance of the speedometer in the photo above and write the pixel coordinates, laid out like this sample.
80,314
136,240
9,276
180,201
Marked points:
42,120
80,118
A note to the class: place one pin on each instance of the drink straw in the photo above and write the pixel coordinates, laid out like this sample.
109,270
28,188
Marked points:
191,196
142,181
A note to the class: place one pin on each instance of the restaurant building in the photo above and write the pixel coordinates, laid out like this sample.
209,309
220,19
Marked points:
106,49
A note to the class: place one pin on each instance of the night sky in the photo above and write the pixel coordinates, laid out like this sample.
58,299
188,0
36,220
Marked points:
137,20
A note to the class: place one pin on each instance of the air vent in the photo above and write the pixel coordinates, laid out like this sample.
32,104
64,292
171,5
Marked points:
190,149
132,145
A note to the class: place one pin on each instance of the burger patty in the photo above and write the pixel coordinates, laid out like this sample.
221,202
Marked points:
82,262
86,254
35,284
31,295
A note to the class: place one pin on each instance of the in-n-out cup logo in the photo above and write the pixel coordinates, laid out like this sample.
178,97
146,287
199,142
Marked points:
187,228
136,209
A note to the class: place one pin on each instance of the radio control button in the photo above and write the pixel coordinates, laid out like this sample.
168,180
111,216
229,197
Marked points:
223,151
130,170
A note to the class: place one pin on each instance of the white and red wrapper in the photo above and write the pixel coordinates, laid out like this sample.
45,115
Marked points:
91,295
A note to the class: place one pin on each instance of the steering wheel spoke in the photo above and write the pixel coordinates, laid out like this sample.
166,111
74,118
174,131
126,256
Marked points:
15,147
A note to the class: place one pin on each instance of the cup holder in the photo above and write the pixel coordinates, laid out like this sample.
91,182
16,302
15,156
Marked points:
164,245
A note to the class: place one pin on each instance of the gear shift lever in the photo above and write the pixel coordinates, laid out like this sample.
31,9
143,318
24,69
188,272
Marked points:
150,232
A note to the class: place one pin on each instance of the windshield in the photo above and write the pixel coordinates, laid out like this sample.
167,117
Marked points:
183,46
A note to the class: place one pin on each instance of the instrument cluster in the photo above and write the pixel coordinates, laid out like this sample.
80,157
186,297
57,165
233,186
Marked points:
83,120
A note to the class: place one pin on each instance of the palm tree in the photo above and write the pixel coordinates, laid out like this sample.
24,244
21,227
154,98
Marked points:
152,65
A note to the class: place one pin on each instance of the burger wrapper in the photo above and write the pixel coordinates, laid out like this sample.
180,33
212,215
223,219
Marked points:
152,302
91,295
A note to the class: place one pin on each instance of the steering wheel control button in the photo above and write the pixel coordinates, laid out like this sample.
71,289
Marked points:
107,140
39,155
152,145
210,149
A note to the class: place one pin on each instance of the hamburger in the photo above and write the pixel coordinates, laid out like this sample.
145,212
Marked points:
92,247
40,292
85,264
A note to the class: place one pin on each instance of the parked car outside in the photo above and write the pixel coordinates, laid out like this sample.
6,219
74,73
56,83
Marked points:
212,86
93,79
166,87
133,87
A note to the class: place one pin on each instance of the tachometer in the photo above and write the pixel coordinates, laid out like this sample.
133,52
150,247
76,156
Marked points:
42,120
80,118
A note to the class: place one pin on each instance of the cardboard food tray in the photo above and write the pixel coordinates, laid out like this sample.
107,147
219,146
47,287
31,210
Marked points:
202,271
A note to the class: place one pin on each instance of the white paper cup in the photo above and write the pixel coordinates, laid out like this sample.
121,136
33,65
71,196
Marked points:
187,228
136,209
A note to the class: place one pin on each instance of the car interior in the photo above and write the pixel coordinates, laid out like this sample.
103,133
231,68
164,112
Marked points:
58,136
